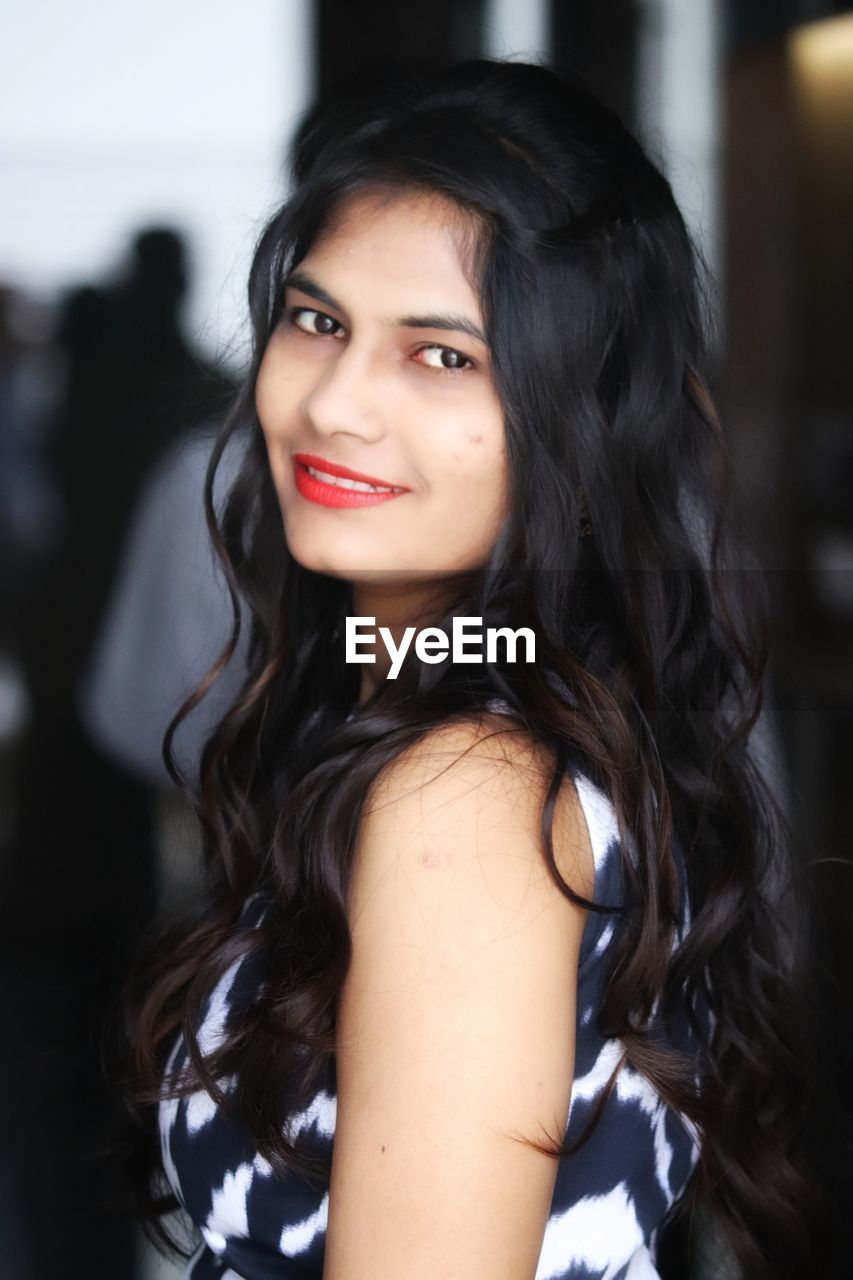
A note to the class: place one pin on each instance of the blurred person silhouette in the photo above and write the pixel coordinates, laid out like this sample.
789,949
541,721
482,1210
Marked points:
168,619
25,508
10,457
132,385
80,875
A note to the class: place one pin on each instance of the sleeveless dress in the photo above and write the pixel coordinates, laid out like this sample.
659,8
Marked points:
611,1197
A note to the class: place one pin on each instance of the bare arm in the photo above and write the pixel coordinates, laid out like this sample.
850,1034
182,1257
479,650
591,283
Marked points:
456,1025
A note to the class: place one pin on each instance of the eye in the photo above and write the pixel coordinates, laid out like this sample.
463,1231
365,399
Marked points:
458,356
325,323
319,325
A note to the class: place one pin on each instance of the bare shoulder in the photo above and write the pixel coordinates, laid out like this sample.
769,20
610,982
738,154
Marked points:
456,1020
486,770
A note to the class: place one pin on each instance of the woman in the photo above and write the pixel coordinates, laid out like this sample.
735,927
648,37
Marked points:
504,930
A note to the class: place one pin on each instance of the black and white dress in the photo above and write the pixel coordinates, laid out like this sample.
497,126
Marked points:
610,1199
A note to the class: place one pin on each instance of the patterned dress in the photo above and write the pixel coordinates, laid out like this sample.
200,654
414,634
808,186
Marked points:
610,1199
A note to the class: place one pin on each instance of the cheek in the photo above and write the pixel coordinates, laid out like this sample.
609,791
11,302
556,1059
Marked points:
477,467
478,446
275,389
272,421
262,394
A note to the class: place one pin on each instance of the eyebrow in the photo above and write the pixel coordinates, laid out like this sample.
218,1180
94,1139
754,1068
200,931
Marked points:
451,321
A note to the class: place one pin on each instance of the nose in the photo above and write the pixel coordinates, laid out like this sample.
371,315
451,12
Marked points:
346,397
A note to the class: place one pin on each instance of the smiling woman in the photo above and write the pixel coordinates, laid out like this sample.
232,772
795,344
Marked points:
489,978
365,386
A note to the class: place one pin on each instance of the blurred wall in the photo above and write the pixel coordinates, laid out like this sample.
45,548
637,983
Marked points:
114,113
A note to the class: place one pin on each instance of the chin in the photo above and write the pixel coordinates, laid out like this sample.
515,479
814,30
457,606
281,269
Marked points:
309,553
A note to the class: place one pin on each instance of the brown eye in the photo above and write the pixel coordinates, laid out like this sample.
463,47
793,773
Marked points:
324,324
459,361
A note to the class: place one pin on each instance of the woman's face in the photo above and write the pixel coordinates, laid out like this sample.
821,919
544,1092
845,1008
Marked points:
377,366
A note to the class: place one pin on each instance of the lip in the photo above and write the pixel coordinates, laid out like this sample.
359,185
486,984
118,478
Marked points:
332,495
346,473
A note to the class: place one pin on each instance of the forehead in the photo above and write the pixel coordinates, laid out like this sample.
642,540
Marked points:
402,237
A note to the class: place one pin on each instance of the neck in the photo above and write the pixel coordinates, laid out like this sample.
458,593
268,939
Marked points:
413,603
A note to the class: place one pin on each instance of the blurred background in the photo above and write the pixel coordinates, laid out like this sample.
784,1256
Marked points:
142,148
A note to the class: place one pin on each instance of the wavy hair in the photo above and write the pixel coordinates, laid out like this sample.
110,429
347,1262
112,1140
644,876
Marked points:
597,310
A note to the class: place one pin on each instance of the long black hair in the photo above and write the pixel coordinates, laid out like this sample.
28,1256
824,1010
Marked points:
656,624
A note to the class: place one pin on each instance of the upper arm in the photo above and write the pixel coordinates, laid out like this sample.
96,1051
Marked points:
456,1021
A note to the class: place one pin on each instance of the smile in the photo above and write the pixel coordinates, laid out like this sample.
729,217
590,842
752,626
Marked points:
339,491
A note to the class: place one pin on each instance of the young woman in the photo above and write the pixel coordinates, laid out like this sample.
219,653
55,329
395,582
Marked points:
489,978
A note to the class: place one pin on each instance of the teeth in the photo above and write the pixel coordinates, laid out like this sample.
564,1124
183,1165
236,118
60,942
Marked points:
360,486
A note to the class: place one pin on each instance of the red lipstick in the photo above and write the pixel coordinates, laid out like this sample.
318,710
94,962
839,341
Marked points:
333,495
